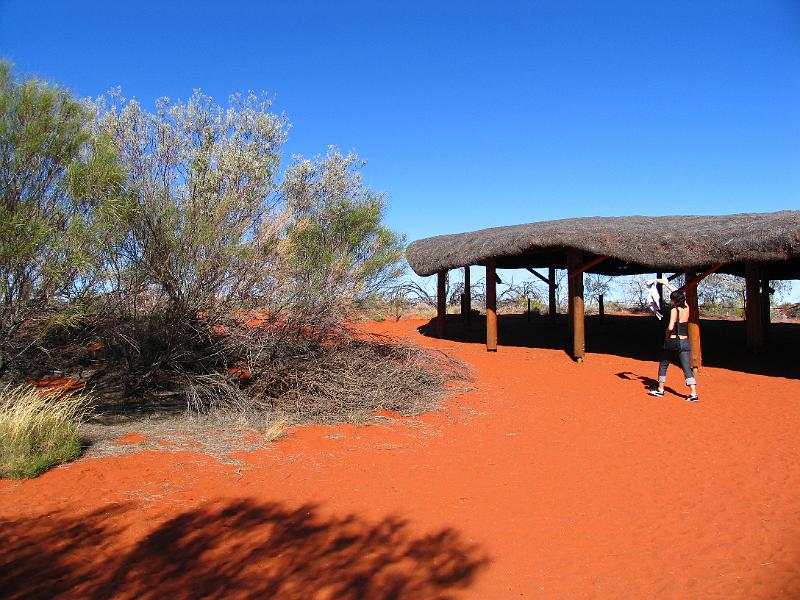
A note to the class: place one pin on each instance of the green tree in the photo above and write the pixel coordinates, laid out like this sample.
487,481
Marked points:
56,180
339,250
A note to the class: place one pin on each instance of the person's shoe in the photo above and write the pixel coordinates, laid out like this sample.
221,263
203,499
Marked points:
693,398
656,392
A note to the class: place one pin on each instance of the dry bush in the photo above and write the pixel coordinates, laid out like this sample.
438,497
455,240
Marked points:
207,230
352,378
257,368
789,311
38,431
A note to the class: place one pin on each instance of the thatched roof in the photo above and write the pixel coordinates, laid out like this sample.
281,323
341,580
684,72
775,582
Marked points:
633,244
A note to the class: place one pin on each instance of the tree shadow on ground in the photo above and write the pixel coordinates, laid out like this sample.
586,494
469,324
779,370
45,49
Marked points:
638,337
235,549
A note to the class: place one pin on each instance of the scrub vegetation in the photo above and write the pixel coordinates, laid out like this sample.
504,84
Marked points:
38,431
164,260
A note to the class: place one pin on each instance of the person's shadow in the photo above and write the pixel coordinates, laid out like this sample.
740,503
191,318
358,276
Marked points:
648,382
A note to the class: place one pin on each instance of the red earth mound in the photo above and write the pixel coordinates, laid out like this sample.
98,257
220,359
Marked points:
549,480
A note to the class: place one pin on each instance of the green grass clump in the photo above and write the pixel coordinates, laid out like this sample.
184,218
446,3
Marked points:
38,431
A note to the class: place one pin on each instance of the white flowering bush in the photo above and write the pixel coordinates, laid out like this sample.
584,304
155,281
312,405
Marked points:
202,178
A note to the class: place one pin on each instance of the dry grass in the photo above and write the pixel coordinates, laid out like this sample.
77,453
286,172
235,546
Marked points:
275,430
350,380
38,431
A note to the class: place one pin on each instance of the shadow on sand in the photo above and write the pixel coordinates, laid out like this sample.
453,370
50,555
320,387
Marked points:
649,383
639,337
234,549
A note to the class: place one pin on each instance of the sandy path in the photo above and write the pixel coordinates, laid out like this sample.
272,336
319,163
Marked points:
550,480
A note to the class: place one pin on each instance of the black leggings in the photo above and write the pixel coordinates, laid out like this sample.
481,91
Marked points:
684,357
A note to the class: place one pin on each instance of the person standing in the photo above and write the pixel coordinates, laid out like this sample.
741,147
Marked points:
676,343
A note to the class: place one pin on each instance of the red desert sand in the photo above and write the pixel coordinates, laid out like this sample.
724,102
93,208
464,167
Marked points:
549,480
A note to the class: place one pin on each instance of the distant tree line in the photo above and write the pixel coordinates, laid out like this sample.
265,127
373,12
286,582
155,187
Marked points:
718,294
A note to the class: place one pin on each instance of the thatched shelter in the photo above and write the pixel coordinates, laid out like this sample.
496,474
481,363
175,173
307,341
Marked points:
759,246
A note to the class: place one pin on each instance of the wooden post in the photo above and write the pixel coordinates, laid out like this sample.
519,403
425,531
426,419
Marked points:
441,304
752,308
694,323
551,275
467,297
660,290
491,305
529,310
765,308
570,299
600,308
576,316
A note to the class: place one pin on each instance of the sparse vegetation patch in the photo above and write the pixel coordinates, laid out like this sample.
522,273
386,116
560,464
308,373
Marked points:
38,431
168,264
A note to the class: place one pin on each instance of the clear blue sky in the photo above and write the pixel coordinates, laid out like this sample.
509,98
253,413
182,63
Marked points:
474,114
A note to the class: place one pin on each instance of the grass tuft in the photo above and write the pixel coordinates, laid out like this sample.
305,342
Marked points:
38,431
275,430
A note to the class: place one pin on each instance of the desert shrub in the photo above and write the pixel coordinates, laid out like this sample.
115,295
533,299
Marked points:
789,310
353,377
60,186
634,292
514,296
721,294
211,265
263,366
595,285
204,227
422,293
202,235
214,235
339,252
37,431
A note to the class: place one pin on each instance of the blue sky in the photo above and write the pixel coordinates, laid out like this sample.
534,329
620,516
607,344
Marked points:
475,114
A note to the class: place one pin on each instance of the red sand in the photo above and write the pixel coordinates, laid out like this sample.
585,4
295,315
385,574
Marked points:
130,439
550,480
56,384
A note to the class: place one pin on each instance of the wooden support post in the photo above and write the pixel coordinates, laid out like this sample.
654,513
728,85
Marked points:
576,313
660,290
752,308
551,275
570,300
529,310
441,304
694,324
765,308
600,308
491,305
467,297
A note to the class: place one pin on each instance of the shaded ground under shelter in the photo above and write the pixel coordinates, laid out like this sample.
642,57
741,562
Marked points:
761,247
